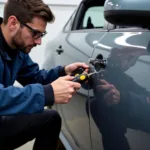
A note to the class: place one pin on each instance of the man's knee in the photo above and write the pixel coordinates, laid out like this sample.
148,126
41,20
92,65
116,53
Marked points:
53,117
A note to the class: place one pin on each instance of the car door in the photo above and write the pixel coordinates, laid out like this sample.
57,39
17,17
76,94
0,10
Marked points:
120,106
77,44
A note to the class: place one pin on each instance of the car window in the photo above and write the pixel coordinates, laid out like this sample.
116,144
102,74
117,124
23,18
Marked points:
90,15
93,18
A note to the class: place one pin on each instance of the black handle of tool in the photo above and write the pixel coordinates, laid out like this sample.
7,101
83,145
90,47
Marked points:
78,71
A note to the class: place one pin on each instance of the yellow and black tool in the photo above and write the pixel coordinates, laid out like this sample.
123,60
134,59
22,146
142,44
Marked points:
78,71
82,77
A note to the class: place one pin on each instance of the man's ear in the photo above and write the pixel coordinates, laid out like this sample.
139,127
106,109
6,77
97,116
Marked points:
13,23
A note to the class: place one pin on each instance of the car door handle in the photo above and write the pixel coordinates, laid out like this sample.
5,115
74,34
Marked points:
59,50
98,62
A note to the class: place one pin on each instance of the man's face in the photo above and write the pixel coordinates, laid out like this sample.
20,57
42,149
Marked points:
29,35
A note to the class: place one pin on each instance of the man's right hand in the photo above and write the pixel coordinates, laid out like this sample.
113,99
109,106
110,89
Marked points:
64,89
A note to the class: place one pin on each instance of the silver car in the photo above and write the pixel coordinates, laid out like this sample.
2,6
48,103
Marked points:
113,111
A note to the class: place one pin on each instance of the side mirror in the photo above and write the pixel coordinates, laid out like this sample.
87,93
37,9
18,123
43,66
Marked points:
134,13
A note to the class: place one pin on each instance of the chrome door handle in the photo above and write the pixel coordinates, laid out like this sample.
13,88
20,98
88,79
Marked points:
98,62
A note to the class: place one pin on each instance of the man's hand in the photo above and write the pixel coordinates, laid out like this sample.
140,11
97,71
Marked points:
72,67
64,89
112,95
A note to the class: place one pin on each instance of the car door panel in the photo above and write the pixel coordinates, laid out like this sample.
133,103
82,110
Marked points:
77,120
75,43
120,107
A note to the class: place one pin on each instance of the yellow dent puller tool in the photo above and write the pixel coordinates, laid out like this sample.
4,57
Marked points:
82,77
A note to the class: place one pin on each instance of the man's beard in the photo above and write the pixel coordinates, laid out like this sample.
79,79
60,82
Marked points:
20,45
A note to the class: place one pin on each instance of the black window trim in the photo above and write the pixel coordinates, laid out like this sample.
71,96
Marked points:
79,16
130,29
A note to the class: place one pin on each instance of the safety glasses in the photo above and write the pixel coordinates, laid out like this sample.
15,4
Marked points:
35,33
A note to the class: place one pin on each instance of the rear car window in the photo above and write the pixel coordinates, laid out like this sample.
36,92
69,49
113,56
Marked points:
90,15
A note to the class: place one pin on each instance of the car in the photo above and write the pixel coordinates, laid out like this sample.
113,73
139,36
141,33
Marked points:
113,111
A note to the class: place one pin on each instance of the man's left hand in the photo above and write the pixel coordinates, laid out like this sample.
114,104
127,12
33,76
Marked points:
72,67
112,96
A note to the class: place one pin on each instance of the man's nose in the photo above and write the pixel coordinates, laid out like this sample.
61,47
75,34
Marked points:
38,41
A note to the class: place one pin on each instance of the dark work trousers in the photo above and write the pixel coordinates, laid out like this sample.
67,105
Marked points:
17,130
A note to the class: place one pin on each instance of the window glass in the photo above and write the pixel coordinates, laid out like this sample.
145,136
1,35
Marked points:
94,17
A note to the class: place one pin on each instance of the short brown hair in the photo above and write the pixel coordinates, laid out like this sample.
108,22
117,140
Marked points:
25,10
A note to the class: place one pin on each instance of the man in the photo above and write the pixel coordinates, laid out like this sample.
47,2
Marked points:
23,117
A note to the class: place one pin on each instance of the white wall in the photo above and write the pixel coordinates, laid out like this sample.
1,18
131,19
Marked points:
62,10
